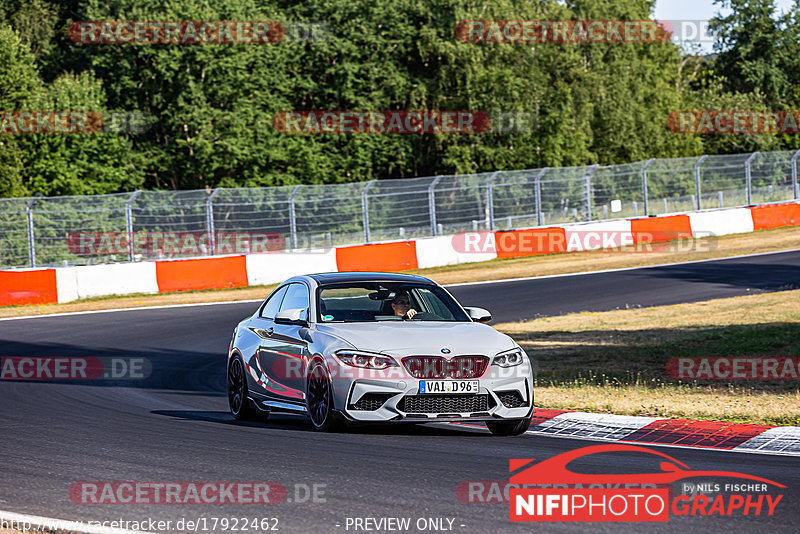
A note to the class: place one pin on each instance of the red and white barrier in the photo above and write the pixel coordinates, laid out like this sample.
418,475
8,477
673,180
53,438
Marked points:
64,284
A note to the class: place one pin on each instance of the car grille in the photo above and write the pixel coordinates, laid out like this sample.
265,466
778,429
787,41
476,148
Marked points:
369,402
444,403
511,399
438,367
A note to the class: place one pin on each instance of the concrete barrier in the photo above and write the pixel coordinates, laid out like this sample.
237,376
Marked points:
721,222
271,268
107,279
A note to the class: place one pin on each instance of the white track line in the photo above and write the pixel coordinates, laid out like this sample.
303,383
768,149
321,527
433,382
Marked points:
136,308
52,524
486,282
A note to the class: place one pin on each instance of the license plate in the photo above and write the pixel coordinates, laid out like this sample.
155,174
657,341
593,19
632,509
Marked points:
449,386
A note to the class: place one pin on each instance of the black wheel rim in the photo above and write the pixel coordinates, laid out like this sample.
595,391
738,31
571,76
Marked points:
236,387
318,396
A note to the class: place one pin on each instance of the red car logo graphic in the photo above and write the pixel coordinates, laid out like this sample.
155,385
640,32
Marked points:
554,470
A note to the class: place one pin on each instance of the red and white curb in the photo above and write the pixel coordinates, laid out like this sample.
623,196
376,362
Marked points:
717,435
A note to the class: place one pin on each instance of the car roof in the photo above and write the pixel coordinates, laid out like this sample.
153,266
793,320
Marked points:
334,278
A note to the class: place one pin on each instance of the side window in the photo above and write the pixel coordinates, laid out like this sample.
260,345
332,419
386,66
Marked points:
296,297
271,307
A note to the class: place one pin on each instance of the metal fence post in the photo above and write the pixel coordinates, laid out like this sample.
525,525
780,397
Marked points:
29,216
644,186
292,216
697,178
210,220
795,187
748,177
490,201
432,203
129,222
538,189
365,209
588,179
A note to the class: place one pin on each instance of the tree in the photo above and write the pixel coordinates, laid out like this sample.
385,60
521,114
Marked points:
19,83
78,164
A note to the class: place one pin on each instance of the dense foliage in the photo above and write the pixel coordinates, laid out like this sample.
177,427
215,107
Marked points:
212,104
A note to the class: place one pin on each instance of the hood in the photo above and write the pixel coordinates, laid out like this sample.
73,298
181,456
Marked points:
404,338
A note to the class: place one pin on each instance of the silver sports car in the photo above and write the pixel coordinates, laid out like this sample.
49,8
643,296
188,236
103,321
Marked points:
376,347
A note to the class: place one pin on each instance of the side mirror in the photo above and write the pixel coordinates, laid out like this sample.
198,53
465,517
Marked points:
293,316
478,315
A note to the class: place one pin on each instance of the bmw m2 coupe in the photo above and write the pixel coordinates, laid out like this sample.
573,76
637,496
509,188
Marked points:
378,348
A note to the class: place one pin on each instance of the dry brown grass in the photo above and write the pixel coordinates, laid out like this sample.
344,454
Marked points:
706,248
614,362
742,405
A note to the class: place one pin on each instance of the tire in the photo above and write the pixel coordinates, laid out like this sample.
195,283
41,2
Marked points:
319,399
511,427
238,397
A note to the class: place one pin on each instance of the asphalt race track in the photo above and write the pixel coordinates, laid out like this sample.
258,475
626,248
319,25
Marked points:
175,426
516,300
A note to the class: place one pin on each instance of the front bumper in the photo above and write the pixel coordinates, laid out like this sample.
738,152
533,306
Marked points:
382,400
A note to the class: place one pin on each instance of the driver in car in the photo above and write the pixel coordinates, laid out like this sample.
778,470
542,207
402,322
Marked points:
402,306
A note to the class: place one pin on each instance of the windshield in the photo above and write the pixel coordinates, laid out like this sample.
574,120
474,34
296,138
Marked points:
386,301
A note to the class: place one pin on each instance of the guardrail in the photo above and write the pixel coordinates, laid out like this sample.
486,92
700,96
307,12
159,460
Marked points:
152,225
636,235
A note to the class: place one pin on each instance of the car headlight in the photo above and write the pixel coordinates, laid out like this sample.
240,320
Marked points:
365,360
509,358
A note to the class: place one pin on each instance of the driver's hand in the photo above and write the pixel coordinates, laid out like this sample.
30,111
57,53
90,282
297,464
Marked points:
411,313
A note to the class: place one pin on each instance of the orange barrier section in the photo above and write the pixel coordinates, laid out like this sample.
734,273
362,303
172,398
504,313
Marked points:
775,216
380,257
28,287
211,273
652,230
517,243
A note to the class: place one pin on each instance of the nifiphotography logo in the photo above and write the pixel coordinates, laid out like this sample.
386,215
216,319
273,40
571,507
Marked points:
574,496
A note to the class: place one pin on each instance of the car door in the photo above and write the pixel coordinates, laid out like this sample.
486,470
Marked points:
263,326
283,352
